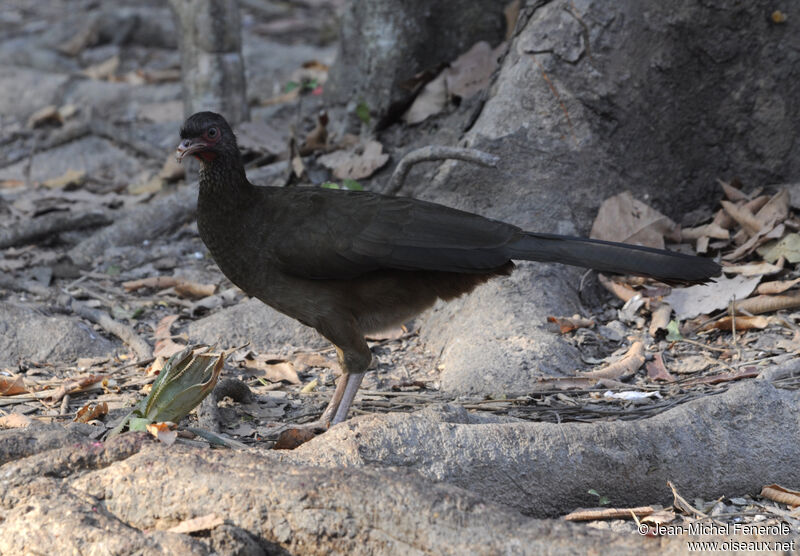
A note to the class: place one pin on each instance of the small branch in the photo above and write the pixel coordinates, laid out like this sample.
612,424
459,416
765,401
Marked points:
121,331
437,152
48,224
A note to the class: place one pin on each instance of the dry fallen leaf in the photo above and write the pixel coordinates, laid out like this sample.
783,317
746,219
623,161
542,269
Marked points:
625,219
788,247
731,192
429,102
104,70
303,361
470,72
742,216
767,233
357,163
778,286
775,210
656,369
272,370
703,299
767,304
12,385
622,291
690,364
69,179
317,139
782,495
609,513
754,269
568,324
660,319
708,230
202,523
15,421
91,411
659,517
741,323
165,347
625,367
165,432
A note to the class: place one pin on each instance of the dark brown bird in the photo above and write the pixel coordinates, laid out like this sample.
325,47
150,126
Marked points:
348,263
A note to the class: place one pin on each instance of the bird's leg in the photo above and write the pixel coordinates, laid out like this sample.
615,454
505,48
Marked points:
354,359
351,387
333,405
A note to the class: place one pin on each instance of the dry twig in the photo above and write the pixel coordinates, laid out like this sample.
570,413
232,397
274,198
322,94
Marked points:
436,152
121,331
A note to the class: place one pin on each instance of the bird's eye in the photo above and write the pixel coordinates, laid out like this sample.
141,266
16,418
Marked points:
212,132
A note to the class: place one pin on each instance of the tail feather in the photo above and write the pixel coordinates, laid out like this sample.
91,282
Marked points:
666,266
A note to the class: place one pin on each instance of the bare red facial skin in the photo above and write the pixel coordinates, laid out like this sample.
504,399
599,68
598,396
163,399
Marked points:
205,156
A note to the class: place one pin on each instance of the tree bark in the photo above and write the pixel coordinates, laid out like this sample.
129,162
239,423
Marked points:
211,58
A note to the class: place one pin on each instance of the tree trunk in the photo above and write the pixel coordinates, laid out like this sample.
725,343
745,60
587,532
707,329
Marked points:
211,58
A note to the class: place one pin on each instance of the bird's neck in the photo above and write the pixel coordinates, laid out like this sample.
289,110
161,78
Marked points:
222,179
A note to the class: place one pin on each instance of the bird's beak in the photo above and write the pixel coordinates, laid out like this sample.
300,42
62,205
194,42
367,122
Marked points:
189,146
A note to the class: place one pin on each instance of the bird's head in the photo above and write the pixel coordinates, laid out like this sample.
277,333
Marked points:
206,136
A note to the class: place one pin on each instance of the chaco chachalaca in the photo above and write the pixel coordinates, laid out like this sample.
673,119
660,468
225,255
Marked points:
348,263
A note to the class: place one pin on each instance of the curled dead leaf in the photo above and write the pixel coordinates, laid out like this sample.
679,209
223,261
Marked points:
660,319
568,324
625,367
708,230
782,495
742,216
754,269
623,292
767,304
778,286
742,322
609,513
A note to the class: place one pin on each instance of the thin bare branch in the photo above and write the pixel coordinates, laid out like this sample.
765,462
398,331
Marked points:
437,152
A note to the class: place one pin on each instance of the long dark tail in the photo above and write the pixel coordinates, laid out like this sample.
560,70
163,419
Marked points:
667,266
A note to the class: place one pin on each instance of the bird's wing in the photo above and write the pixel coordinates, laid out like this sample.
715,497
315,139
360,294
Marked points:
338,234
